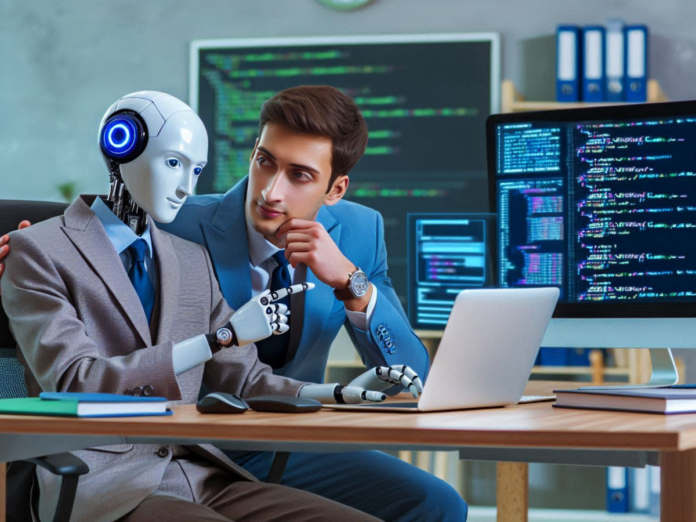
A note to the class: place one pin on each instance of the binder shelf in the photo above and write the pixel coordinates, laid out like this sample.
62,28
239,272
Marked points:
512,101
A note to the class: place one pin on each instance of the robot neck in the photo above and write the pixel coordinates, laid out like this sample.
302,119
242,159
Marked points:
124,206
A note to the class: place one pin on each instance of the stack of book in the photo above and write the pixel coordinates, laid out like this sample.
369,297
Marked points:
674,399
68,404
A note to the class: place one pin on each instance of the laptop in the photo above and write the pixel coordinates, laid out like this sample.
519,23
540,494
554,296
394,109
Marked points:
486,354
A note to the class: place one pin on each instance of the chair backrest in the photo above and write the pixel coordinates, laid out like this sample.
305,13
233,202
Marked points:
12,213
19,474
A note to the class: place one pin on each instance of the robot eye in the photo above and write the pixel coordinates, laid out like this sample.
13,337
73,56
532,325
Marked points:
173,163
197,171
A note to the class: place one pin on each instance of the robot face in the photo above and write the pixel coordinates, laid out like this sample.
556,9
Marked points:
165,174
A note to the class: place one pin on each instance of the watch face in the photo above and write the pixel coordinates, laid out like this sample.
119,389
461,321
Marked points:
344,5
359,284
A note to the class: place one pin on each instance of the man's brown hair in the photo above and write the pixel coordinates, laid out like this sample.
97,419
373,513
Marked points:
321,110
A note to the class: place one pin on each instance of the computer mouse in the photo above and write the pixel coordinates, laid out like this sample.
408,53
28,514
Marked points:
283,404
220,402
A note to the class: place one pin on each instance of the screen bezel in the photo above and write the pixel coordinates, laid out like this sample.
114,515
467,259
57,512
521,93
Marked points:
608,112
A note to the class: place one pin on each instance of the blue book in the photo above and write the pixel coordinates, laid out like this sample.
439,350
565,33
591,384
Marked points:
617,490
614,62
636,79
593,45
568,61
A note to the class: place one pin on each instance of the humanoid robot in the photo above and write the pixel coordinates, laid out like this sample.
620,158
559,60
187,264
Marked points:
155,148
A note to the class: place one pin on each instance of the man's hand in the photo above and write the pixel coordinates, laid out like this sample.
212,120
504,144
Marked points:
308,242
5,247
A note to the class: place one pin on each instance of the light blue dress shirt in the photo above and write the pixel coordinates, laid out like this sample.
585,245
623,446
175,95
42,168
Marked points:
121,237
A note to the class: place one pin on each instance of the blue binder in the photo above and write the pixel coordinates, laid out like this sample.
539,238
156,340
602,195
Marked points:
568,61
655,486
639,490
614,61
617,490
578,357
593,46
636,79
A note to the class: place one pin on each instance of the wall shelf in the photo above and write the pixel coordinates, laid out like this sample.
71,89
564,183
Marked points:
511,100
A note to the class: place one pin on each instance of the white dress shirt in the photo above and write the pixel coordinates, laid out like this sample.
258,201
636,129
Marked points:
262,266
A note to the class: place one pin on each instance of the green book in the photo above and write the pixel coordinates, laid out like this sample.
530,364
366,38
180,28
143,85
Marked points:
37,406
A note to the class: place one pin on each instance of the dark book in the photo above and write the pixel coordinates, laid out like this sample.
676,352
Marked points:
648,400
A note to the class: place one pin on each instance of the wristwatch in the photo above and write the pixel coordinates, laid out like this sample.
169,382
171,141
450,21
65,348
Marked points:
358,285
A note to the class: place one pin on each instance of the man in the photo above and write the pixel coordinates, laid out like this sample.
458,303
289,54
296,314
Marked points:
310,137
100,300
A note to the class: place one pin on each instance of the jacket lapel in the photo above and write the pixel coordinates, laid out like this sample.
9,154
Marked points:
226,238
87,233
168,278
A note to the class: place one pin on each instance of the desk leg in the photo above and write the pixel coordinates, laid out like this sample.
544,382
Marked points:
3,489
678,491
512,491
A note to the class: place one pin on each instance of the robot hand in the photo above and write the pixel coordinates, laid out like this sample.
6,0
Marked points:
261,317
366,387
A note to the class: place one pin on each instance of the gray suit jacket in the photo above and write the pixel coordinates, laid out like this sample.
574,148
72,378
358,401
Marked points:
80,327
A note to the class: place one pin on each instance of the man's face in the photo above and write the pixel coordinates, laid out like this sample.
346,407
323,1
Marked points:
288,179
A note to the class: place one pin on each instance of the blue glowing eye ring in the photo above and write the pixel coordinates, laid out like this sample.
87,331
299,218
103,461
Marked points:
126,138
123,137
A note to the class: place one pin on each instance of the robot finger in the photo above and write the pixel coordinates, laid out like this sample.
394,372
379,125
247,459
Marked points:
280,329
281,319
388,374
294,289
264,297
411,375
357,394
282,309
373,396
406,382
272,309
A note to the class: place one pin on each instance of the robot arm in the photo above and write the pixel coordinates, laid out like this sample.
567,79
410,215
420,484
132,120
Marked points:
261,317
366,387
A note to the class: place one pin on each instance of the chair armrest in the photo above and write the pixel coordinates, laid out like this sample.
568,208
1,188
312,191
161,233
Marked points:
62,464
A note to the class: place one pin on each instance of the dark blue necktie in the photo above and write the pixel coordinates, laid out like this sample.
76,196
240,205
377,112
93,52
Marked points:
138,276
274,349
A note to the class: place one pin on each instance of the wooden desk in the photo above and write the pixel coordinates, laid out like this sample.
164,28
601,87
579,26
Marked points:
520,433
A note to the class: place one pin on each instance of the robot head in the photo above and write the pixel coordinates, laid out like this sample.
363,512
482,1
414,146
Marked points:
158,147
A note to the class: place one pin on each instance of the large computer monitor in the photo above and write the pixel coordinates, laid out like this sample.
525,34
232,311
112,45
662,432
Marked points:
601,202
425,97
447,253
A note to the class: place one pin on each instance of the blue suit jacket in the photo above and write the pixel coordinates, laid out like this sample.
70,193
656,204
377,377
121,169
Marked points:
217,222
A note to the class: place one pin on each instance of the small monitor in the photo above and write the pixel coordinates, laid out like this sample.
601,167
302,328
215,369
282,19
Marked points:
601,203
447,253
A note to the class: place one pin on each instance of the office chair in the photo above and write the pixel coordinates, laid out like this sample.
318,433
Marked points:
20,474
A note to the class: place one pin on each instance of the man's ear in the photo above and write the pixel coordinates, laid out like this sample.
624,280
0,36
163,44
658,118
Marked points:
337,191
253,152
